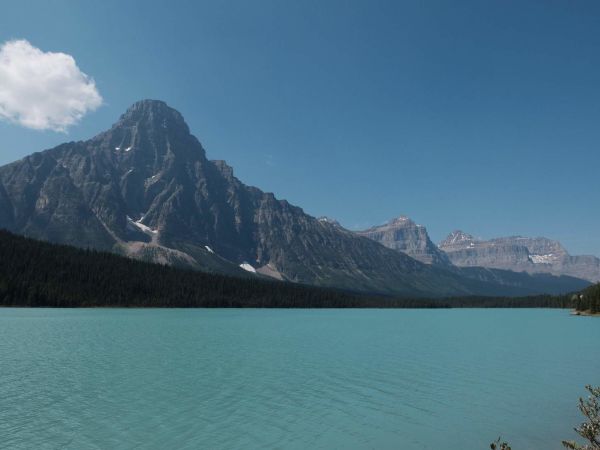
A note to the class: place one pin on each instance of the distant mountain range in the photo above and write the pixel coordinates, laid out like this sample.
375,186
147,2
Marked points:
516,253
146,189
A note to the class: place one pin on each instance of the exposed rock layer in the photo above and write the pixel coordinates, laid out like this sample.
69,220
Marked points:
406,236
518,253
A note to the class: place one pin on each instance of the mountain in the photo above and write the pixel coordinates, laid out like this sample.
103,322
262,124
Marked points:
406,236
518,253
146,189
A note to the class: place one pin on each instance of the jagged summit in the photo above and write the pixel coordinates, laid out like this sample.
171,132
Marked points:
330,221
403,234
150,136
152,114
150,126
457,237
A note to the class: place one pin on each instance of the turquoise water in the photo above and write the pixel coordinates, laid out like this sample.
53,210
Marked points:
381,379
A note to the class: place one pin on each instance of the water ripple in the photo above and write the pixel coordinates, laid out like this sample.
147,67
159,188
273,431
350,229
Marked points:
155,379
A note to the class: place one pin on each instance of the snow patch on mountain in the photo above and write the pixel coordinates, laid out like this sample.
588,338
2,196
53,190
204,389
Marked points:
542,259
247,267
138,224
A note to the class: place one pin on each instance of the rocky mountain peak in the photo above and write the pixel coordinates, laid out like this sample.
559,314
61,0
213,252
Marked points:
401,221
404,235
330,221
149,137
457,237
153,114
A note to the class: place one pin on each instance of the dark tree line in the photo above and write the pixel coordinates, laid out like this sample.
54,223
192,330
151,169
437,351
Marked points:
588,300
35,273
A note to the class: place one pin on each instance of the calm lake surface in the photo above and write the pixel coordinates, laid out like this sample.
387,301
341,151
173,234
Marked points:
381,379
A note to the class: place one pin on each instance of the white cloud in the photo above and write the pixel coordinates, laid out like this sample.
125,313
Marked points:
43,90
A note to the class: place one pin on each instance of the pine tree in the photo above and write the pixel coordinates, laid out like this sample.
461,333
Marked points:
589,430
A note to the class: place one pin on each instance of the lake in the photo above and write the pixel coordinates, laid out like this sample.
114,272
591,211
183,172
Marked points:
348,379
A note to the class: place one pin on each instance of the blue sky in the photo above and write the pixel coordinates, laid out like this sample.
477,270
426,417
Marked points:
477,115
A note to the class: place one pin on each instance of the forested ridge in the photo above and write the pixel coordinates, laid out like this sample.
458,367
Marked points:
41,274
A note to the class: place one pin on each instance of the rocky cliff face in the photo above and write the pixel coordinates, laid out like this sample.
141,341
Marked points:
518,253
464,250
145,188
404,235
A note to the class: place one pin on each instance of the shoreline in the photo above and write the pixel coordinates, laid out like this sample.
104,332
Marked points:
585,313
423,308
